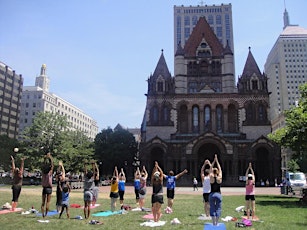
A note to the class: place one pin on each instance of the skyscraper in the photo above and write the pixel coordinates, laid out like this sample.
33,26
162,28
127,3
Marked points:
38,99
10,95
219,18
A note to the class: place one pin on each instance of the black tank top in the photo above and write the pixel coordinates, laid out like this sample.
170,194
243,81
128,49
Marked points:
215,187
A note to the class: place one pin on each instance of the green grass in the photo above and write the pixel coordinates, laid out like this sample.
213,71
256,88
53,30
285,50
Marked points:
276,212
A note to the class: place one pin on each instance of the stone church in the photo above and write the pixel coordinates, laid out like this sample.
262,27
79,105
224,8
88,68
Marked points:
200,111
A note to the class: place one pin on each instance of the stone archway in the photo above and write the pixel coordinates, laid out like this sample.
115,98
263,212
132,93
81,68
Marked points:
207,151
156,154
262,164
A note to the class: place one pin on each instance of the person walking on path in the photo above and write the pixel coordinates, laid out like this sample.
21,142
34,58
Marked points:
215,197
114,189
65,189
157,191
142,192
60,180
17,181
205,178
47,170
250,191
88,190
195,184
171,185
137,176
121,187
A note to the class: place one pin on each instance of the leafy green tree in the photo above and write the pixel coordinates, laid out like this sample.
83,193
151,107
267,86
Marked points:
115,148
7,150
293,166
294,134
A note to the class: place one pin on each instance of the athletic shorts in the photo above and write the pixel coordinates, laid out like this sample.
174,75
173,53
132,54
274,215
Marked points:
88,196
121,195
249,197
47,190
206,197
16,192
157,198
170,193
114,194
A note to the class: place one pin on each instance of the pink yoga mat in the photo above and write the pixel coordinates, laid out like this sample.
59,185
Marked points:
5,211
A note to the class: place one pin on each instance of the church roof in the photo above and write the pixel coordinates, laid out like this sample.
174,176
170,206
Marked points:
180,50
161,68
251,66
203,30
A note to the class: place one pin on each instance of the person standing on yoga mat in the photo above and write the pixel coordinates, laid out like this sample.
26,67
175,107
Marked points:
171,185
250,191
60,179
215,197
65,190
205,178
17,181
157,191
142,192
137,176
114,189
121,187
47,170
96,185
88,190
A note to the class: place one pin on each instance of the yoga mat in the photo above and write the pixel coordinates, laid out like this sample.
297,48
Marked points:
210,226
50,213
5,211
149,216
107,213
256,218
92,206
151,223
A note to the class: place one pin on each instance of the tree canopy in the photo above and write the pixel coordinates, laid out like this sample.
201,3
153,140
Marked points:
294,134
115,148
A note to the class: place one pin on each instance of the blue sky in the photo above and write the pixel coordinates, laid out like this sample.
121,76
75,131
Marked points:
100,53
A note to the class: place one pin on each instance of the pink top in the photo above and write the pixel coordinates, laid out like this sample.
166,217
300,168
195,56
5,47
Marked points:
47,180
250,187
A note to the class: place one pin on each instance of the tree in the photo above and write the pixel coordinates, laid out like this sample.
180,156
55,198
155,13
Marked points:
115,148
50,132
294,134
7,149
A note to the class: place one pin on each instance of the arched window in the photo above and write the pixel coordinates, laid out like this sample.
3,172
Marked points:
207,118
155,115
183,119
232,119
195,121
219,119
165,115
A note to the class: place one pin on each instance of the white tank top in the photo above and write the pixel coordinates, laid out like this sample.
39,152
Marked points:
206,184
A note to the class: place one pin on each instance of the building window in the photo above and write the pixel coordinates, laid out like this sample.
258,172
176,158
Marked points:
207,118
195,121
160,86
219,117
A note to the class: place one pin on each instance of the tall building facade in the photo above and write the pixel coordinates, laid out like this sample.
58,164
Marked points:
219,18
10,99
200,112
38,99
286,67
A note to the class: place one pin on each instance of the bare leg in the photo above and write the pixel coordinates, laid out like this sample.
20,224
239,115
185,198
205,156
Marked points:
44,196
48,203
253,209
247,209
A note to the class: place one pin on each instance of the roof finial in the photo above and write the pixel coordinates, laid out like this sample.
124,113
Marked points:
162,50
249,48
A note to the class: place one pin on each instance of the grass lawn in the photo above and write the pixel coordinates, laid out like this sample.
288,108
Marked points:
275,212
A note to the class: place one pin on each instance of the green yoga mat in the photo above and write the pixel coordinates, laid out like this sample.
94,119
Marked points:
107,213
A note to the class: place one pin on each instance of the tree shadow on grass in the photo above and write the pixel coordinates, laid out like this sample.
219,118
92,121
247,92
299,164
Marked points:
281,201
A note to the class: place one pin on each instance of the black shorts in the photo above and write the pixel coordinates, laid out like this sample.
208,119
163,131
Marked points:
206,197
121,195
157,198
58,196
16,192
170,193
114,194
137,193
249,197
47,190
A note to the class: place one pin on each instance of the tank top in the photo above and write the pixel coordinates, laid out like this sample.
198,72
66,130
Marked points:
215,187
157,188
206,185
250,188
114,187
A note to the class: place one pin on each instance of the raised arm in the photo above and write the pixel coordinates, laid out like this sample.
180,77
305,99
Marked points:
137,172
202,170
61,168
145,171
22,165
218,166
13,164
50,160
181,174
115,173
123,174
96,172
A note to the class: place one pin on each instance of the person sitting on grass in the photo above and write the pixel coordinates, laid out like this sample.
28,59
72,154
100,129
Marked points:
17,182
250,191
65,189
114,189
157,191
47,170
87,190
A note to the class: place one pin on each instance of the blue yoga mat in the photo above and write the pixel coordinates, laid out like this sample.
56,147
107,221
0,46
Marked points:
50,213
210,226
107,213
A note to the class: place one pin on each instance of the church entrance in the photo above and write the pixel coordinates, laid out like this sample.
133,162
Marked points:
262,170
156,154
207,151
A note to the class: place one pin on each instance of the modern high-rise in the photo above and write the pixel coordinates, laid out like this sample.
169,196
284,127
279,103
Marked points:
38,99
219,18
10,95
286,67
